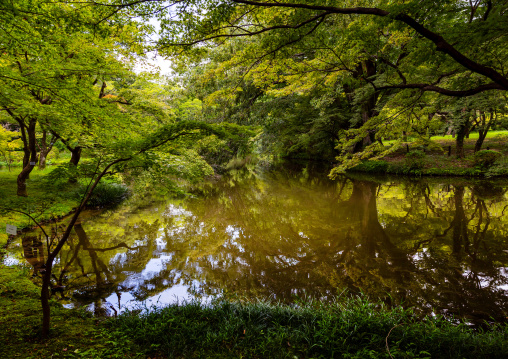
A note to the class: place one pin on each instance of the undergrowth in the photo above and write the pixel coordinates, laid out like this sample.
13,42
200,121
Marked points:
348,328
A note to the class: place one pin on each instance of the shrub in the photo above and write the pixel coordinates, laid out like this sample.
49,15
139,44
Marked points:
60,176
499,168
372,167
454,171
485,158
106,194
415,161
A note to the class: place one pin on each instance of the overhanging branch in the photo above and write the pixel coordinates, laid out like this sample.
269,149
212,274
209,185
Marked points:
441,44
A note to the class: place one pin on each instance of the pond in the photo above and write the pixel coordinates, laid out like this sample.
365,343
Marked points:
438,245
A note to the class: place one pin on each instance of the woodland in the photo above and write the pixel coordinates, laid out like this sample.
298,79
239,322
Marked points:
413,87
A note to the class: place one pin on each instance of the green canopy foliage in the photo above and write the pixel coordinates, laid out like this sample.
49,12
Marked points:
387,68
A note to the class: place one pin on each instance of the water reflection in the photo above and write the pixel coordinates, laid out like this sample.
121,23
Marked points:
440,247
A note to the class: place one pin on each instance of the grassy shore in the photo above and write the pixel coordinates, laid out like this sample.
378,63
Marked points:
348,328
50,196
413,159
45,200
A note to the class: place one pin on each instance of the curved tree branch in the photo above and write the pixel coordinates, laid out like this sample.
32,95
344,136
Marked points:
443,91
308,21
441,44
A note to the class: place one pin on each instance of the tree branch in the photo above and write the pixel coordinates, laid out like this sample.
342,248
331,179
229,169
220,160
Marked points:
293,27
443,91
441,44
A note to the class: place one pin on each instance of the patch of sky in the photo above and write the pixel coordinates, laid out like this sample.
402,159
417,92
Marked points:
286,260
234,234
155,265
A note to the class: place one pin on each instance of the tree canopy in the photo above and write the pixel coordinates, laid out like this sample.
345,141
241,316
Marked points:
382,68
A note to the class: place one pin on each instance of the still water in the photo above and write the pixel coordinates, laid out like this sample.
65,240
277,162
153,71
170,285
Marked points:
438,245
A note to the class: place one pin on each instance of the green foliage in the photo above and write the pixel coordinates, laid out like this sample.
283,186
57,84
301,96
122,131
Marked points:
340,82
59,177
485,158
215,151
498,168
415,161
10,147
106,194
456,171
349,328
372,166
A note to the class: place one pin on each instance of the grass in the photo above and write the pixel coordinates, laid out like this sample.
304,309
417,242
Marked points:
472,136
437,162
43,203
449,138
55,158
347,328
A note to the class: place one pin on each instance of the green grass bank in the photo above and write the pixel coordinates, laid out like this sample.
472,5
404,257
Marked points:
50,196
440,159
346,328
46,200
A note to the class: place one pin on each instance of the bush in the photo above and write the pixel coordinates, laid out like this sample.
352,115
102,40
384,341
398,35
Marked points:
107,194
372,167
415,161
60,176
499,168
485,158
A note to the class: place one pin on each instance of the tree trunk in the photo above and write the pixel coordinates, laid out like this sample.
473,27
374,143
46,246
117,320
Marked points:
25,172
459,145
52,255
42,159
459,139
367,69
482,132
45,149
26,148
46,311
75,155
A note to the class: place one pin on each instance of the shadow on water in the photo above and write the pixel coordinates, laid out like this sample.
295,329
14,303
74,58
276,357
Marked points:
440,246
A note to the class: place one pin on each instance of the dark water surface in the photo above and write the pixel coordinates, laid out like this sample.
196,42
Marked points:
439,245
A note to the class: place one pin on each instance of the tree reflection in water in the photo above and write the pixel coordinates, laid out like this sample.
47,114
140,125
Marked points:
440,247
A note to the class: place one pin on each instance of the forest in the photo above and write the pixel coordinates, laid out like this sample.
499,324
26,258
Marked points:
111,107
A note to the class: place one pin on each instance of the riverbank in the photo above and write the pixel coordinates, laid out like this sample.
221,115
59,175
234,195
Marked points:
50,197
348,328
45,201
441,160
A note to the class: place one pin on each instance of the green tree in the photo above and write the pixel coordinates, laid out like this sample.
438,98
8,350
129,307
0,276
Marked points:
52,56
374,53
9,146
